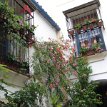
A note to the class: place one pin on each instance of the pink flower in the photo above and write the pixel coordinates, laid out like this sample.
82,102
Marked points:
51,49
75,73
56,83
51,86
74,64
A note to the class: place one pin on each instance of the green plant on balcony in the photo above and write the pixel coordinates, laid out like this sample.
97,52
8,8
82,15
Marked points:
83,50
78,28
87,22
15,23
8,19
96,47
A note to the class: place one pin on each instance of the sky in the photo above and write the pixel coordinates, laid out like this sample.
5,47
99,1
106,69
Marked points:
54,9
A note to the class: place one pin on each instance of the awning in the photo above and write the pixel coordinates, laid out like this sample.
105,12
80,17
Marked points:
82,9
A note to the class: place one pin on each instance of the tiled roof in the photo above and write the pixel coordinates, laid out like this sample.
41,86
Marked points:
45,15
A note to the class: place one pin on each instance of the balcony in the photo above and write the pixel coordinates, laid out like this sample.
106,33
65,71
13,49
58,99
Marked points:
88,38
12,56
16,36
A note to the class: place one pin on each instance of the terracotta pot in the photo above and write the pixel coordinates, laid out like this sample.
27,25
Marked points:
85,28
91,27
100,23
71,32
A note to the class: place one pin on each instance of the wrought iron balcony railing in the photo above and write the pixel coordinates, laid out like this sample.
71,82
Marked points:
88,38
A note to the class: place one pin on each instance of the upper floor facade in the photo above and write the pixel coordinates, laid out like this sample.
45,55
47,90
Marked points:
18,20
86,26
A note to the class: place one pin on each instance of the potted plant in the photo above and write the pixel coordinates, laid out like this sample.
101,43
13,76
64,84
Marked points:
78,28
86,24
96,47
100,23
71,32
91,26
94,22
83,50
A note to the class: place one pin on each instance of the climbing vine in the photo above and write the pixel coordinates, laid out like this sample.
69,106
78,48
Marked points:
60,80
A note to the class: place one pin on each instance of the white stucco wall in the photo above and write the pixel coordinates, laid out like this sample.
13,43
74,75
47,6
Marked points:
44,30
15,82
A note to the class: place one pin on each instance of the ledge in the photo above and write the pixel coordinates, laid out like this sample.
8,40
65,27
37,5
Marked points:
15,79
97,57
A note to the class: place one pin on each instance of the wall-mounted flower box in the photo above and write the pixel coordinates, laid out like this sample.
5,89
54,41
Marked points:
95,48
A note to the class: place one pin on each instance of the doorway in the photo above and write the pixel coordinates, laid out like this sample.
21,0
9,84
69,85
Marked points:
102,90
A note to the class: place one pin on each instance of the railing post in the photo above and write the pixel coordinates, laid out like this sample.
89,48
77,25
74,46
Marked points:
77,43
102,43
89,38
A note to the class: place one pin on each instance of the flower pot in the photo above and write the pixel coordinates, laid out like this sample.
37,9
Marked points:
85,28
78,31
100,23
71,32
90,52
91,26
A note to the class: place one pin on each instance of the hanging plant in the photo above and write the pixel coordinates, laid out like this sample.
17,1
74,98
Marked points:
78,28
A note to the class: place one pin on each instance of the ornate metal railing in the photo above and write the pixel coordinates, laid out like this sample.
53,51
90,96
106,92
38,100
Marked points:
89,39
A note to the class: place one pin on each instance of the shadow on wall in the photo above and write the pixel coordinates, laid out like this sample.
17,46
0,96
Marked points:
102,90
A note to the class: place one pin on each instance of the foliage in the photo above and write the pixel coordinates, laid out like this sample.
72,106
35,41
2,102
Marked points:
3,74
95,46
83,50
83,92
13,24
29,96
51,69
78,26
